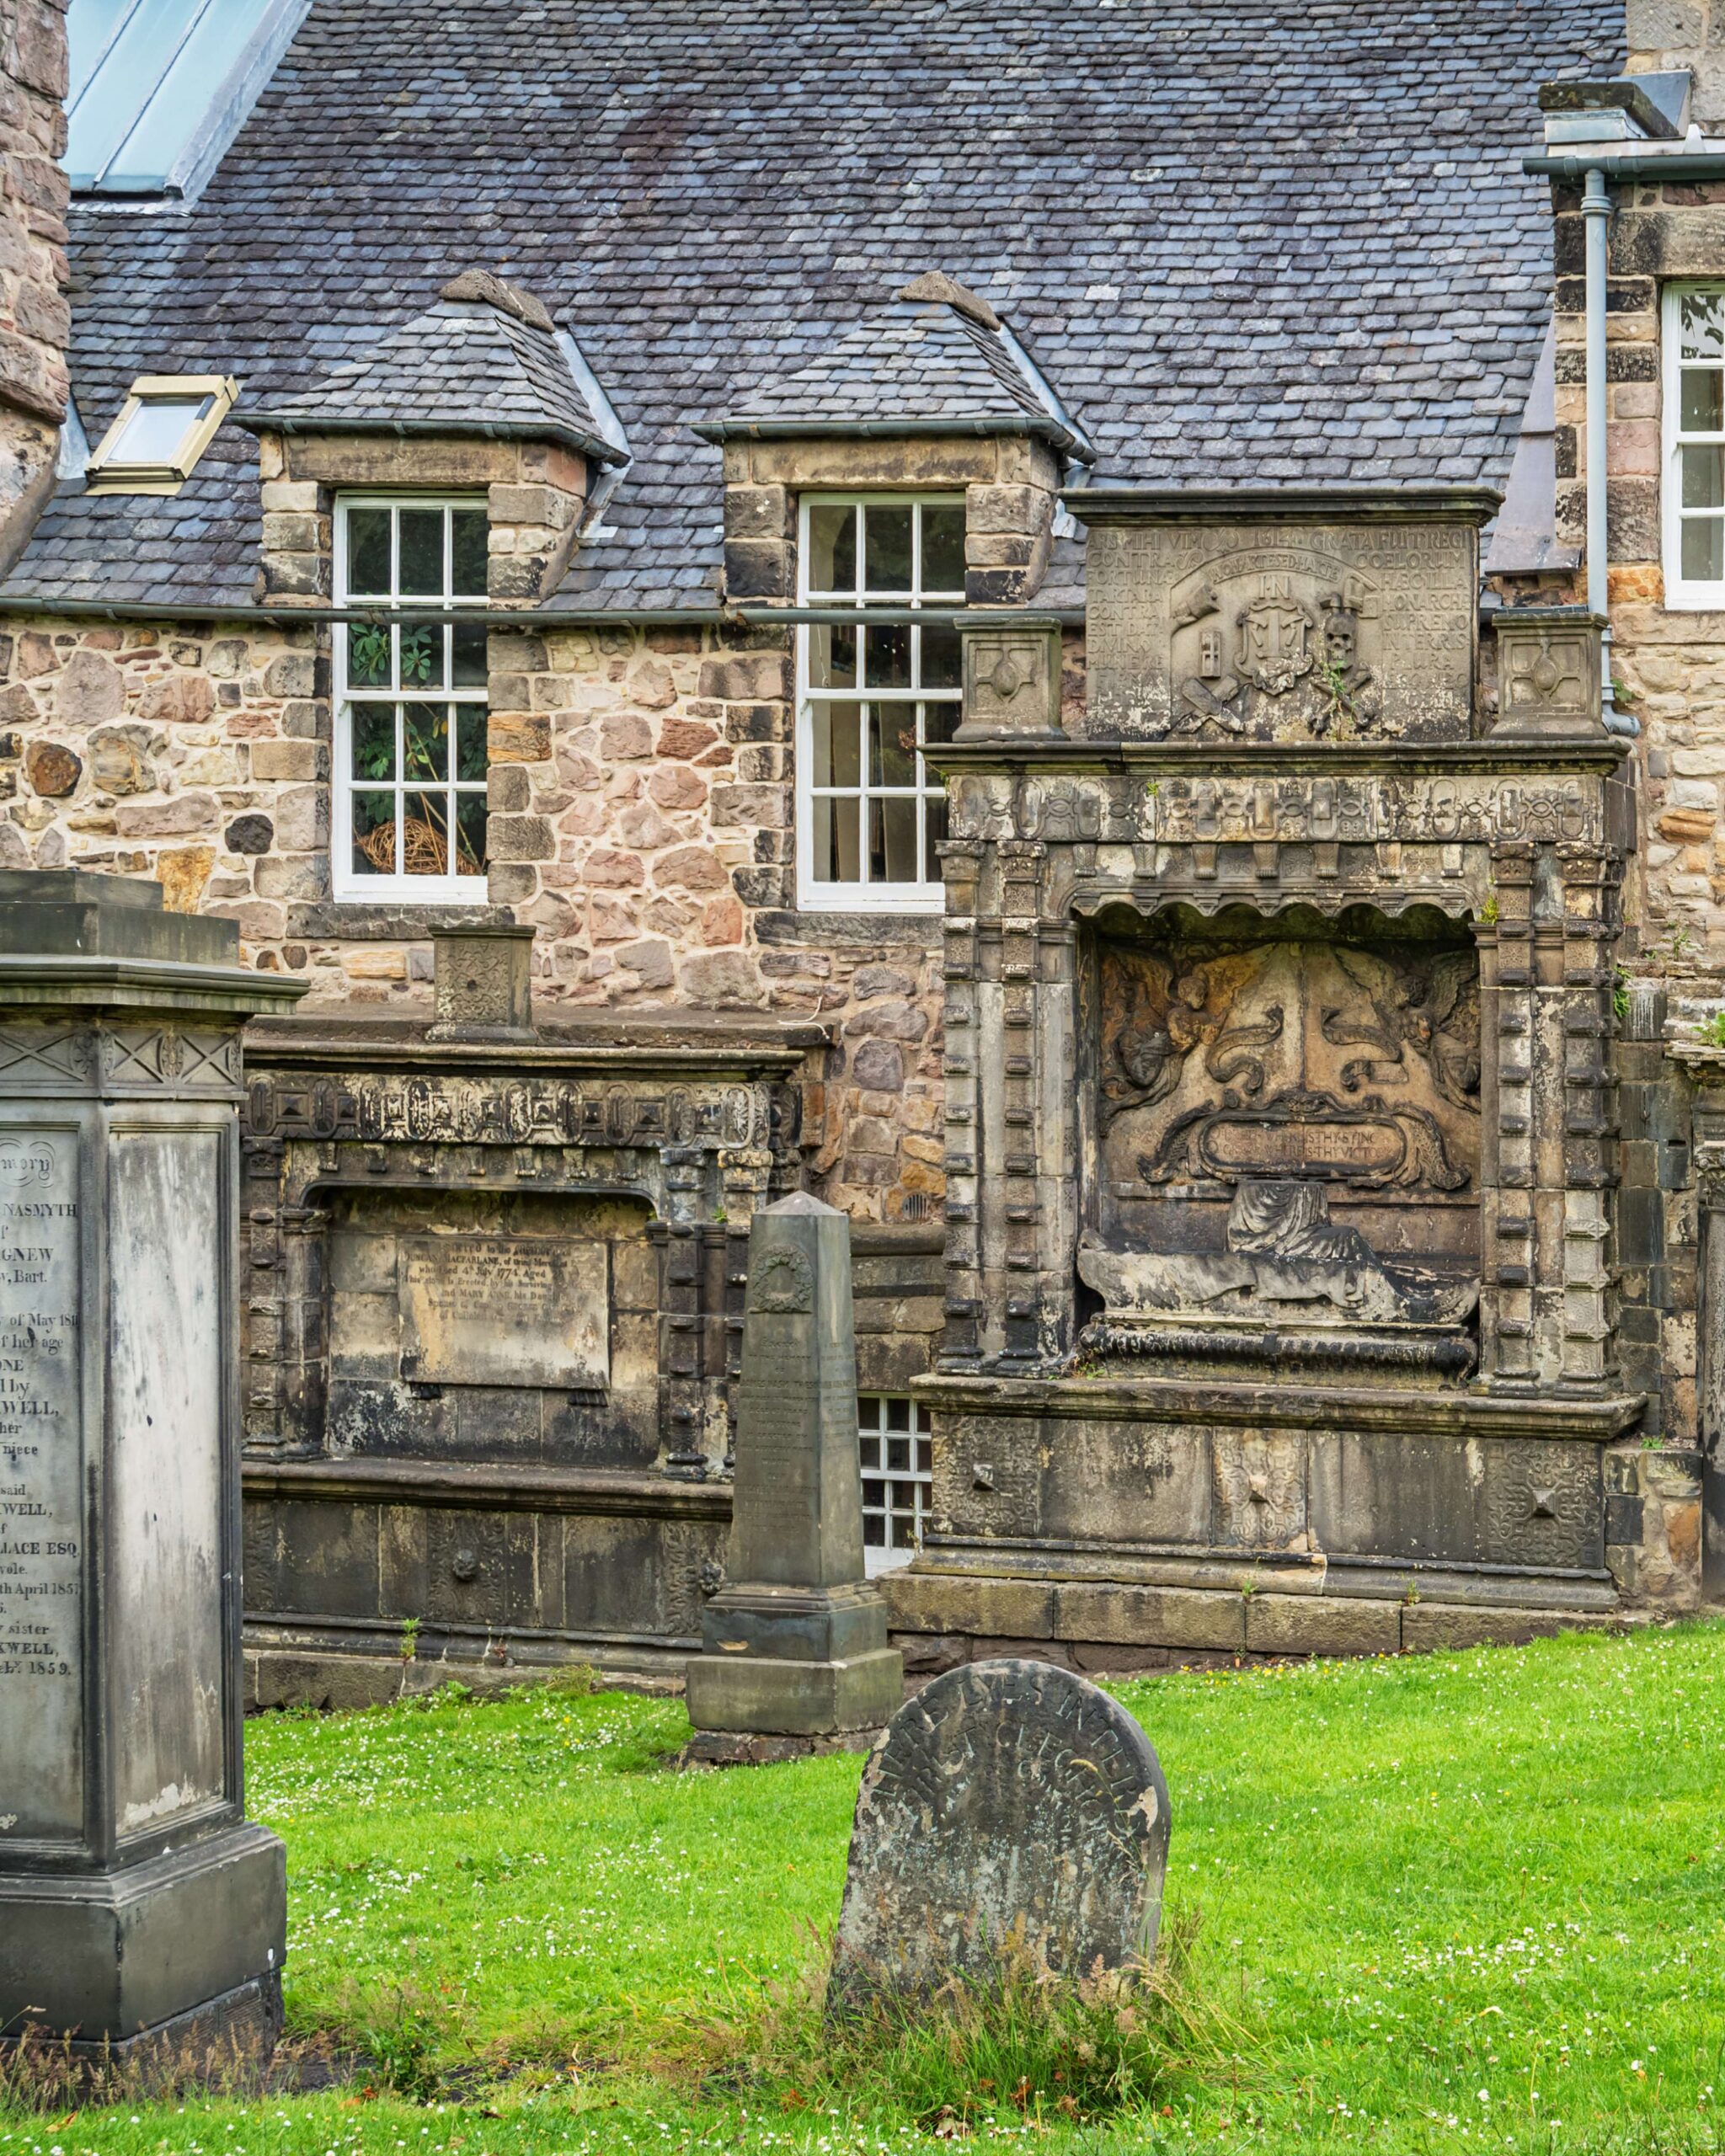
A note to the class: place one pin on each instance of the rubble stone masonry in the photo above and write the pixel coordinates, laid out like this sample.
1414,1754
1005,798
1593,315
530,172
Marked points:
34,321
641,820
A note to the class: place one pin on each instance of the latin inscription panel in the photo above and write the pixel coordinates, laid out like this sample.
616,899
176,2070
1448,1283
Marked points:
506,1310
41,1457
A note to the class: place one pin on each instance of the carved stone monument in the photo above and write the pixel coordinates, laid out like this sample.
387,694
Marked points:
139,1913
794,1643
1010,1806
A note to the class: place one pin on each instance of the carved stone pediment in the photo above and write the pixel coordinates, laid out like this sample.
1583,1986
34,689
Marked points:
1289,618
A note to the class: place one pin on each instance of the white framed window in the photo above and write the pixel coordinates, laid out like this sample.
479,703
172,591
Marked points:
870,812
166,424
897,1450
408,809
1694,403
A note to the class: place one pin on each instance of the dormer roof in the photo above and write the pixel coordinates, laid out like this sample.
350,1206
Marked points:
484,359
935,359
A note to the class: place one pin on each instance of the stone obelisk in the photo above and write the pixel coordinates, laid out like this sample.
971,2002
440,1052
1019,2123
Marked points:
794,1645
142,1916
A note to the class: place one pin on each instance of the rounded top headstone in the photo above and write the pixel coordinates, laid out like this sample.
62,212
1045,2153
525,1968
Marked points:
1009,1805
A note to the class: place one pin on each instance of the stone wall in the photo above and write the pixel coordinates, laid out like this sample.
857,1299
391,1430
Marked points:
641,821
1690,33
34,321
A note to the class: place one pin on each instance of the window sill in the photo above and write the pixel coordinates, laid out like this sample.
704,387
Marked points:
818,927
354,921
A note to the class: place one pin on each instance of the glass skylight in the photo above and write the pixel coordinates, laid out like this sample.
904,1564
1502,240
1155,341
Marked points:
159,89
160,432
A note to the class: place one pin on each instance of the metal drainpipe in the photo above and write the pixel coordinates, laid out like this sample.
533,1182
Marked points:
1596,210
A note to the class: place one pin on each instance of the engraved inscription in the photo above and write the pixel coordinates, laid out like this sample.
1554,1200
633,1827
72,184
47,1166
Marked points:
500,1310
1010,1804
41,1482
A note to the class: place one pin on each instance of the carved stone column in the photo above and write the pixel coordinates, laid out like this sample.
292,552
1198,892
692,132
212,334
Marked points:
962,861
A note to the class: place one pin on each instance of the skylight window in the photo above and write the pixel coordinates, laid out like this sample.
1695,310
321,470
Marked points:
163,428
159,89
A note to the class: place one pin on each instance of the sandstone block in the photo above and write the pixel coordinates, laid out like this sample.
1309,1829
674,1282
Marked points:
275,761
982,1609
746,677
51,769
520,838
1429,1625
608,866
516,738
1151,1616
1321,1624
185,812
723,981
690,868
878,1065
90,688
183,873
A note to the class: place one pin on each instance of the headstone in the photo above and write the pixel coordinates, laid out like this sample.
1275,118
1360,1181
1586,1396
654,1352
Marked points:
794,1644
140,1914
1009,1805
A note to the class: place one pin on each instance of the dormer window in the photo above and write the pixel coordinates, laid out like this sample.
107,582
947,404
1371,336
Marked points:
166,424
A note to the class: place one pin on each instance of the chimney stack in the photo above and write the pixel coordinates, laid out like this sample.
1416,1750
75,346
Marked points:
34,319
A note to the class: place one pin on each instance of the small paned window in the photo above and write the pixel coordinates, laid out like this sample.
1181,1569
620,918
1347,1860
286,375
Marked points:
410,748
1695,445
870,812
897,1451
164,426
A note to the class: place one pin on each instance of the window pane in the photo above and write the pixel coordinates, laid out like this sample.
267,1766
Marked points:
1702,318
837,736
832,658
887,547
940,721
833,548
471,721
934,831
368,551
944,551
424,833
470,835
154,433
892,745
1703,401
898,1413
892,841
836,859
887,657
421,651
374,835
373,731
368,650
942,665
422,553
468,669
1703,549
468,534
425,738
1703,477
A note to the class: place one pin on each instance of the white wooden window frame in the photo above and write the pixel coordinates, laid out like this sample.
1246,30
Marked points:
1687,594
349,888
894,1497
926,895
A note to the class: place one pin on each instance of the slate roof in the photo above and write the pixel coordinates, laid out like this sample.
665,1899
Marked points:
917,363
466,365
1264,240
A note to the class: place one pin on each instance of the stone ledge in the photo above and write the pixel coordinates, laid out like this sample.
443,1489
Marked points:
483,1488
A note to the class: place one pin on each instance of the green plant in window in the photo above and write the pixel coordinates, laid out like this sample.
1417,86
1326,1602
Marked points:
416,656
368,647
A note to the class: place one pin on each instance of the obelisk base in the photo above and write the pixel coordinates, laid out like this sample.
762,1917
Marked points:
171,1968
795,1661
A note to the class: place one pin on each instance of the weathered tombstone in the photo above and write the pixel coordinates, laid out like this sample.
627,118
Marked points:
794,1644
140,1914
1012,1806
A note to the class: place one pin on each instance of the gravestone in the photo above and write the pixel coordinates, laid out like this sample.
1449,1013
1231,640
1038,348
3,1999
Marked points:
794,1643
1010,1805
140,1913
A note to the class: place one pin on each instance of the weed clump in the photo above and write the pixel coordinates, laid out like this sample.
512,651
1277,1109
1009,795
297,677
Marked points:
1031,2042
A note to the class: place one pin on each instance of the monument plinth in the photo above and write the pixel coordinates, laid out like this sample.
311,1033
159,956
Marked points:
140,1916
794,1644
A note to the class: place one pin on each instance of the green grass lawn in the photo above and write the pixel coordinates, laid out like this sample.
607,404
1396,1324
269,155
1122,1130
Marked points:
1468,1901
